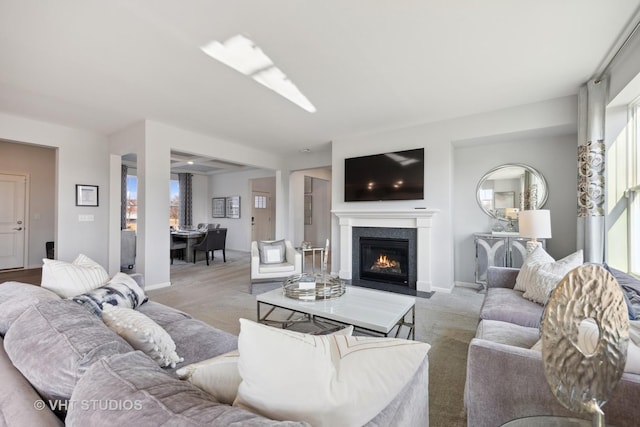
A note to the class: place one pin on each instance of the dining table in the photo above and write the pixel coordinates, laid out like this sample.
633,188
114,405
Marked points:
192,238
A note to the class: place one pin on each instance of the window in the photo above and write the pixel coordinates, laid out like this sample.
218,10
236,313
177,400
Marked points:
623,192
633,192
131,215
260,202
174,205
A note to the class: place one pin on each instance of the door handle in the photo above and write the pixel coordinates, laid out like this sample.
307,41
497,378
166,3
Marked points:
18,229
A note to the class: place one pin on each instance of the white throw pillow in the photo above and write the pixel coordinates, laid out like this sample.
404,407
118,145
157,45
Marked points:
142,333
272,252
540,259
540,285
325,380
219,376
71,279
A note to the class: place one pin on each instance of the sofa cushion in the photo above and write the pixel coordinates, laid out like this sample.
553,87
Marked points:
508,305
507,333
539,259
142,333
162,314
325,380
71,279
276,268
212,342
146,396
16,297
54,342
272,252
121,290
18,399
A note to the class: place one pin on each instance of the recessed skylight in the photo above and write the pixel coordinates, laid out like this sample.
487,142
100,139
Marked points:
242,54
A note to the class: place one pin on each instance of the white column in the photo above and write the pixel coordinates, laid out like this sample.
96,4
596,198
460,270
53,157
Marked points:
346,234
423,280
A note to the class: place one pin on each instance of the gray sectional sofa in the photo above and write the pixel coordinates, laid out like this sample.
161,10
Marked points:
505,377
56,350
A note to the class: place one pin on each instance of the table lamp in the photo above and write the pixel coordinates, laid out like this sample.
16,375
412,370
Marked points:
535,224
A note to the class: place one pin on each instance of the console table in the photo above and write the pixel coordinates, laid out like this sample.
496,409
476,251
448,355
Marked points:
499,250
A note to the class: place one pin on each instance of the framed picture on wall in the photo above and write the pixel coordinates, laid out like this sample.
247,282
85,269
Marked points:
86,195
218,207
233,207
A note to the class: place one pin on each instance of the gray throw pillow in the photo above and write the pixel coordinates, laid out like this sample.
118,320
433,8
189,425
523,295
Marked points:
272,252
54,342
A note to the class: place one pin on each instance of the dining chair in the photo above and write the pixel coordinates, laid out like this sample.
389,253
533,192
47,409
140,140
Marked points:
214,240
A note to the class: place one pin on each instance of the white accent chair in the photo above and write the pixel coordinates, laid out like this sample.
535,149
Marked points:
272,272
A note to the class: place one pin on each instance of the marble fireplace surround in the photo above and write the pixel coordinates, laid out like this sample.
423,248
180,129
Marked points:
420,219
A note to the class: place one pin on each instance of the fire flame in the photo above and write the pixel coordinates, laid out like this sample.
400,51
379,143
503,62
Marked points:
384,262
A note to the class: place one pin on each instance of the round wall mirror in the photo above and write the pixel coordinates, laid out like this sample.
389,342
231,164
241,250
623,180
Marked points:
507,189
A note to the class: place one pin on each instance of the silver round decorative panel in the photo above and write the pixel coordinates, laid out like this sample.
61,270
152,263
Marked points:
583,381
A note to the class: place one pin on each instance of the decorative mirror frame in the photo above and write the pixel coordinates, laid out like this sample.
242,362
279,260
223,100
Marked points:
492,213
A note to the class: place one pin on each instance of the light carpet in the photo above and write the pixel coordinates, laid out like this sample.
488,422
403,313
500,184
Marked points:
219,295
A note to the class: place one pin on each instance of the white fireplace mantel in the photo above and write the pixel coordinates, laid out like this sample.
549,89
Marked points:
420,219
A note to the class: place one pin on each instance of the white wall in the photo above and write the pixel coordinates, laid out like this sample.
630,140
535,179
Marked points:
82,158
554,157
39,164
554,116
237,184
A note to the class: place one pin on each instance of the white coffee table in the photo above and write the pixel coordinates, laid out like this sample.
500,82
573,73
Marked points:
372,311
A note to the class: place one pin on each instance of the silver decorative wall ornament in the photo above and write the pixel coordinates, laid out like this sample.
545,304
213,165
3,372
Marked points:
591,162
583,382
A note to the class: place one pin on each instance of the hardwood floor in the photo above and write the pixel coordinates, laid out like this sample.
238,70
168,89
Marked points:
31,275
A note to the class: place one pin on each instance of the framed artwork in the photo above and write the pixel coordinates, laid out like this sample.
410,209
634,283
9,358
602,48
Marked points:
86,195
218,207
504,199
233,207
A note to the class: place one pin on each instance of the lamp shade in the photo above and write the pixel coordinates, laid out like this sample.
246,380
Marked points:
535,224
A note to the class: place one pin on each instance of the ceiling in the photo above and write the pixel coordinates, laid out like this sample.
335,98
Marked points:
366,65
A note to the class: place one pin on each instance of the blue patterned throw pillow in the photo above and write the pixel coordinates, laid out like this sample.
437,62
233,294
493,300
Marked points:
121,291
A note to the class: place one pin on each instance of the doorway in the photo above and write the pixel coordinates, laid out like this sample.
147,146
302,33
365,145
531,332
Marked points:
13,193
263,226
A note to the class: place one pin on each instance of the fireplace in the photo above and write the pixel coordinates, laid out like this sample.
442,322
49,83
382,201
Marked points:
384,260
372,244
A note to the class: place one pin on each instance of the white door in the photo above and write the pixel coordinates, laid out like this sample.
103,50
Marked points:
262,225
12,226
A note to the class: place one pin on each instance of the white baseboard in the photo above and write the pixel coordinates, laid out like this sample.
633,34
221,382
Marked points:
157,286
442,289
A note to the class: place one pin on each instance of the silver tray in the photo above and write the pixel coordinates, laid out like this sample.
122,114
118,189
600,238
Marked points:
300,286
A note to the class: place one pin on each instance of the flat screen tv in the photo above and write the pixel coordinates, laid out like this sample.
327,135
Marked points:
389,176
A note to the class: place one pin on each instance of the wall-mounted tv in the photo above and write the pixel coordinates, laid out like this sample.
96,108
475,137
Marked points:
389,176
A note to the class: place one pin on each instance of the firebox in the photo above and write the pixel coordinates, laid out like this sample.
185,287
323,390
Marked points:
384,260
